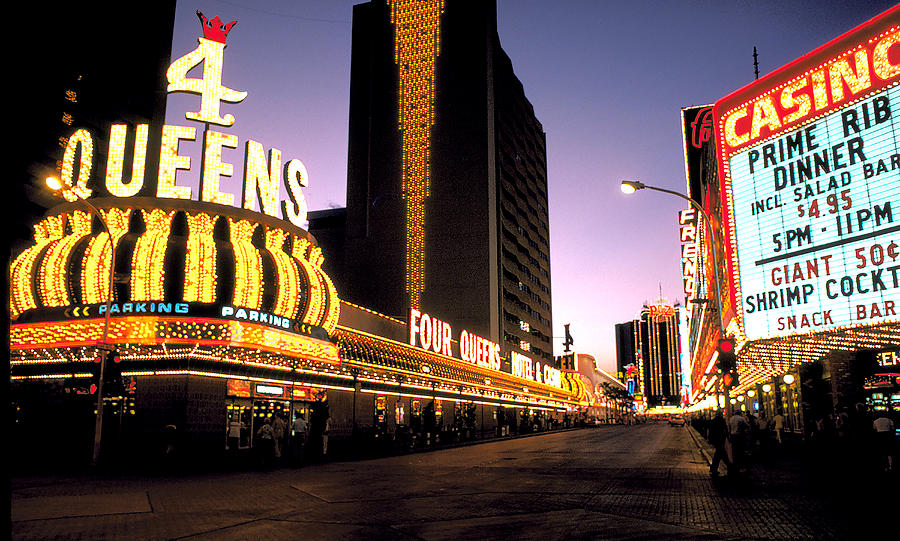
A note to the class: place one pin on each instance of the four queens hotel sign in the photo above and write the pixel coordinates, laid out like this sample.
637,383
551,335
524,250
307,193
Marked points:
264,172
809,161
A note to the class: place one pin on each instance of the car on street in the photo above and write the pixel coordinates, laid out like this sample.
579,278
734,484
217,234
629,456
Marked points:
676,420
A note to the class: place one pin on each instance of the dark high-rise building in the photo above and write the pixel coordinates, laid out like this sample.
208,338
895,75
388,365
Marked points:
88,66
447,176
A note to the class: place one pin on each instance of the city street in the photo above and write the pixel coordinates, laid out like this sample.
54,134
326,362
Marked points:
648,481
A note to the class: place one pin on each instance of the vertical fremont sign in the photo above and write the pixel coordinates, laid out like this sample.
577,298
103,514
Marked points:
809,165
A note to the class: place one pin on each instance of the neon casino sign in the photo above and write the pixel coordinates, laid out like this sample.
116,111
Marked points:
429,333
810,172
433,334
262,176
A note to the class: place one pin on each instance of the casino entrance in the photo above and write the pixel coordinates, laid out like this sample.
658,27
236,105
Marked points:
248,405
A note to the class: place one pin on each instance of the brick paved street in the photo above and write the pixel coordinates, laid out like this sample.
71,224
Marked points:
611,482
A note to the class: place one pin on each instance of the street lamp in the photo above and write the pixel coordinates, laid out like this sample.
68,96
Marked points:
631,186
57,187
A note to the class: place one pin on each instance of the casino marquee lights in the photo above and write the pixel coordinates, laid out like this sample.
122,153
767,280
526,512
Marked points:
191,254
186,271
808,164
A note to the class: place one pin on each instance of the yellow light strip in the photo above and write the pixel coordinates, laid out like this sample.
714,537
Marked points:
200,260
52,283
98,257
22,268
153,330
315,296
416,46
248,280
288,277
148,272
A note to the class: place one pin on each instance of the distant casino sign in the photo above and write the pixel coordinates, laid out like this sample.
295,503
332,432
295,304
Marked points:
661,310
810,168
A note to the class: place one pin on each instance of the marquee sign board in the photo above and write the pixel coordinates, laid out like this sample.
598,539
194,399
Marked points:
809,164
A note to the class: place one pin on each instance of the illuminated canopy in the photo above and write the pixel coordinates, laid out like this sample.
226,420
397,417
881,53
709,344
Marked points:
174,259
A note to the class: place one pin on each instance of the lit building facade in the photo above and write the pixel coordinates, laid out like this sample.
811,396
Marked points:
447,177
649,356
222,315
812,316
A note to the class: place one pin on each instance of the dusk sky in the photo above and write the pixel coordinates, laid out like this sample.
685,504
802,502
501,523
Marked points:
607,80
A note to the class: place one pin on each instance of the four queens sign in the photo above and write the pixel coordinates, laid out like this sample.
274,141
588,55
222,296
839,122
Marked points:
809,160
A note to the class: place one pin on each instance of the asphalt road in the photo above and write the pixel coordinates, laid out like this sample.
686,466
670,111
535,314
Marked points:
611,482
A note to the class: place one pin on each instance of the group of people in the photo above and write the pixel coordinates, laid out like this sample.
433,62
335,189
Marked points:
742,435
856,433
276,441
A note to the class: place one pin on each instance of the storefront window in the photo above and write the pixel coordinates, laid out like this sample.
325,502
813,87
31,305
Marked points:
790,401
267,409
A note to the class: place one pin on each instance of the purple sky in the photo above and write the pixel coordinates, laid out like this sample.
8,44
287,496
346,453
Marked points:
607,80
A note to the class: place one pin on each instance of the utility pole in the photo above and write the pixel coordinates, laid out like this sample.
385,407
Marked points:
755,64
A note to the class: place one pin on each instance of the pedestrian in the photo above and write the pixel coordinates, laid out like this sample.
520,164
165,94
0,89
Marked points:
764,437
779,426
234,433
885,441
266,443
278,427
430,423
718,433
738,430
300,430
325,432
170,443
842,424
752,434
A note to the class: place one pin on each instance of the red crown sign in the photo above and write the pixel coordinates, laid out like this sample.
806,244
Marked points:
214,29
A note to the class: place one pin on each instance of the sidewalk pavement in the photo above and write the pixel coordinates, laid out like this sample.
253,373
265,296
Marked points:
849,481
96,493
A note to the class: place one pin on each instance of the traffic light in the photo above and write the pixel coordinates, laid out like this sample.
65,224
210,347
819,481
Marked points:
112,376
727,360
95,373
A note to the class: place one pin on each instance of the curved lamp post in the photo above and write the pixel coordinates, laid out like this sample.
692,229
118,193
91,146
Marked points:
631,186
57,187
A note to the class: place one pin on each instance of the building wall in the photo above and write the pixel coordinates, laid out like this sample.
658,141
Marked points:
483,272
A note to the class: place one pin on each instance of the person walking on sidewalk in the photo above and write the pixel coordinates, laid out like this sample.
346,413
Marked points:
278,426
301,430
266,442
765,437
718,433
779,427
884,441
738,431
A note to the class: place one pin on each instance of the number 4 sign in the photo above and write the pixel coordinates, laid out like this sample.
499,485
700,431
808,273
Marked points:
211,52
